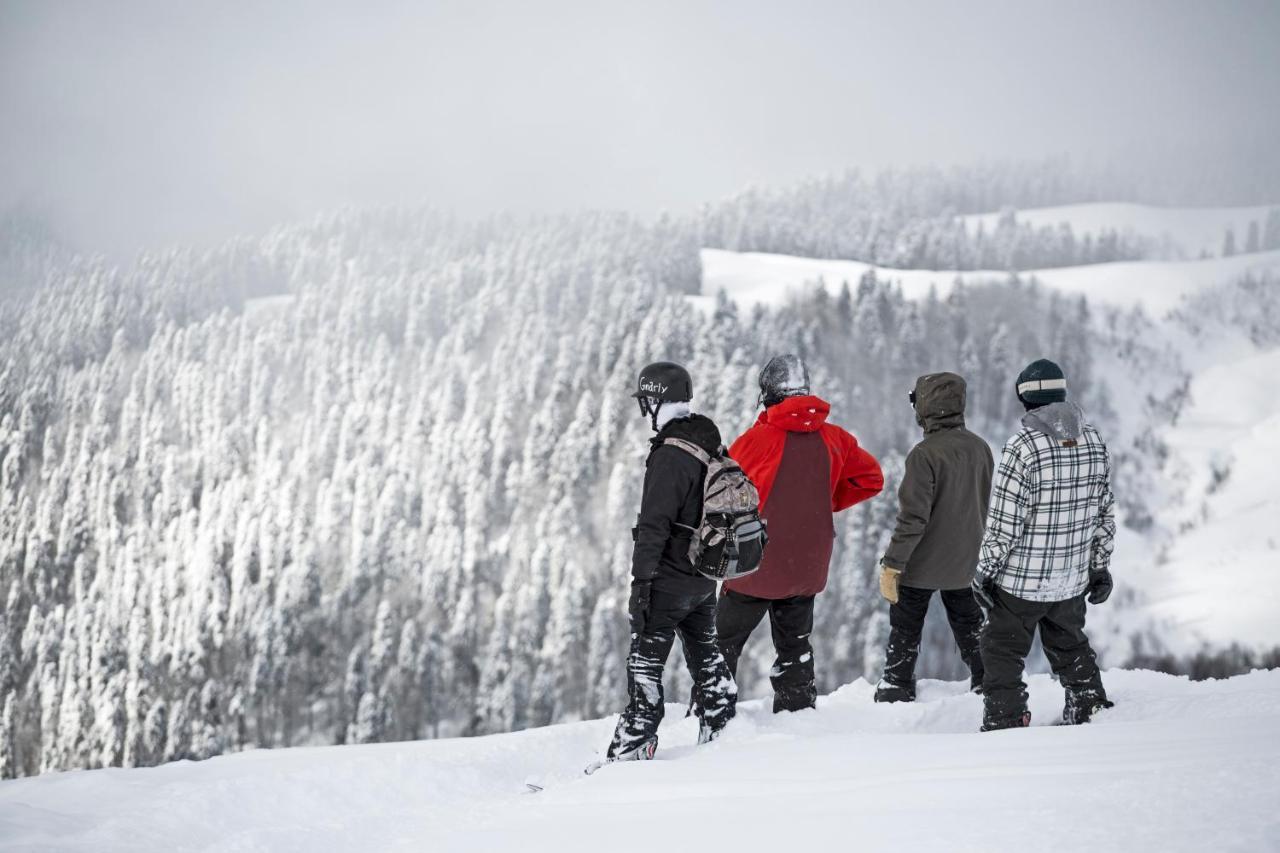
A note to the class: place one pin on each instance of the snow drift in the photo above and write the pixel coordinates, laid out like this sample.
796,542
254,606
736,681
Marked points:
1176,765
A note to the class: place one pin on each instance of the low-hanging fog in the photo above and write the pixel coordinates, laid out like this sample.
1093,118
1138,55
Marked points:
151,123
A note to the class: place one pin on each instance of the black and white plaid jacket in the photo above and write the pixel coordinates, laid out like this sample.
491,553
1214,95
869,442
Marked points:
1052,515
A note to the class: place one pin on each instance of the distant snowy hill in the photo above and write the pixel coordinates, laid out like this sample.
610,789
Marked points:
753,278
1186,232
1175,766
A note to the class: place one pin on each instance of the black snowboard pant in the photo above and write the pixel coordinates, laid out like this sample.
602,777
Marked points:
791,622
906,624
1006,641
694,617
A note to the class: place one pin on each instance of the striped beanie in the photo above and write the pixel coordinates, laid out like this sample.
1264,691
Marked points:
1040,383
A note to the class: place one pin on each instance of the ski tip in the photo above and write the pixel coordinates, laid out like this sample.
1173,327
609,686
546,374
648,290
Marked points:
534,785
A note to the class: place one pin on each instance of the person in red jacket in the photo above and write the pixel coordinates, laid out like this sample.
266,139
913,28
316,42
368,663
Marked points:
806,470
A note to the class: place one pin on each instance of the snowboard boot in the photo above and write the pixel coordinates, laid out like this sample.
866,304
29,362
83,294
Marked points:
642,751
887,691
706,733
992,724
1080,707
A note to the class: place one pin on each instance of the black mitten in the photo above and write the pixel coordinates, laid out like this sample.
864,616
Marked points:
638,605
1100,585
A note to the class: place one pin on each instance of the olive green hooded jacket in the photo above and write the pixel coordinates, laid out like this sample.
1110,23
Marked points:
942,502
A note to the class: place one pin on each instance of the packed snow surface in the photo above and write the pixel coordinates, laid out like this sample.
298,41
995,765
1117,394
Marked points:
756,278
1175,765
1186,232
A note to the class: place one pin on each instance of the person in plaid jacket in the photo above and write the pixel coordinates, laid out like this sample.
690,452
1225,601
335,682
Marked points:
1047,547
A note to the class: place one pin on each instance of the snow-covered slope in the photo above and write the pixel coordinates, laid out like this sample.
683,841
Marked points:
1221,580
1184,231
1175,765
752,278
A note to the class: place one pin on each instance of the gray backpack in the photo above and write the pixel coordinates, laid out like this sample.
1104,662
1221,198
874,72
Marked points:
729,542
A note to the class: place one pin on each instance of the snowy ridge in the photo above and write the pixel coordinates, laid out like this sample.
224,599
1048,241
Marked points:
1189,752
750,278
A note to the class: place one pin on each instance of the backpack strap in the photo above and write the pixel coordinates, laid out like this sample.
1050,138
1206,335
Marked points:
689,447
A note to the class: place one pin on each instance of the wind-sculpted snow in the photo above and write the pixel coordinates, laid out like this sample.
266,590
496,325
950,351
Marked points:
1175,766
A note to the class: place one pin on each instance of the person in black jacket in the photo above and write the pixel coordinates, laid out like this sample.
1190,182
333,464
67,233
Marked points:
667,595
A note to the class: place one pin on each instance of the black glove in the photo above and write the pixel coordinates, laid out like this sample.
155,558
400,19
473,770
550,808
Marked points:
984,591
1100,585
638,605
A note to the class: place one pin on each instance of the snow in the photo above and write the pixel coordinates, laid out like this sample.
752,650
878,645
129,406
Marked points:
1220,582
754,278
1176,765
1187,231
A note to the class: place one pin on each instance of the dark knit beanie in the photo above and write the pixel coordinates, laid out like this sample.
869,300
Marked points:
1040,383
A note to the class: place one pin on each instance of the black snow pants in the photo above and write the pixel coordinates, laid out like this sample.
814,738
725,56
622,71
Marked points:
694,617
1006,641
791,622
906,624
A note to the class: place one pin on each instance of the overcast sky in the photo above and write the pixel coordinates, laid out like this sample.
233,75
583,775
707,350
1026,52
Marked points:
139,123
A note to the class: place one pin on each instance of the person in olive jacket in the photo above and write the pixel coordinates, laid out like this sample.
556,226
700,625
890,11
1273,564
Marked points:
941,517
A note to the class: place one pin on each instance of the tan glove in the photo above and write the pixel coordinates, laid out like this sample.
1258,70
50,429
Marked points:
889,583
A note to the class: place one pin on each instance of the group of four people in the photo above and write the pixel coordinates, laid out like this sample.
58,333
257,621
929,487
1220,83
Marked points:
1010,553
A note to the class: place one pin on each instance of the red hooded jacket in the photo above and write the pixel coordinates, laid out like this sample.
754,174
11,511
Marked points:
805,470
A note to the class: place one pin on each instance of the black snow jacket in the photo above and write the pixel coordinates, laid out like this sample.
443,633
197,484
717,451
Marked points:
942,502
673,497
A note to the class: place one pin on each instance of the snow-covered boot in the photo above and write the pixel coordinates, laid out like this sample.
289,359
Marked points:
1080,707
975,683
1020,721
706,733
642,751
887,691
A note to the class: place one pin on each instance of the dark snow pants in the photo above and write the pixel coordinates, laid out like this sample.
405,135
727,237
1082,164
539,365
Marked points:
791,622
694,617
1006,641
906,624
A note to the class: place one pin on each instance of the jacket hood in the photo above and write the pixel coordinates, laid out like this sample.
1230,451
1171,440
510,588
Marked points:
1063,421
940,399
797,414
698,429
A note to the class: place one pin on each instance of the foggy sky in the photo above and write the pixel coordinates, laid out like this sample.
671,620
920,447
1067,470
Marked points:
148,123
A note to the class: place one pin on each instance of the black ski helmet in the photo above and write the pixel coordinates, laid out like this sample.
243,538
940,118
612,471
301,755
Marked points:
784,376
665,381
